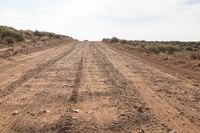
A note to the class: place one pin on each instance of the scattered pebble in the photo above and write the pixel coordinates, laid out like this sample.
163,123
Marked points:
123,114
90,112
169,130
140,109
44,93
74,117
180,113
140,131
172,131
46,111
31,113
76,110
15,112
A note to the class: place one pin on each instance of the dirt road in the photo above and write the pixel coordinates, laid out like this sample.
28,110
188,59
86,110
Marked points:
93,87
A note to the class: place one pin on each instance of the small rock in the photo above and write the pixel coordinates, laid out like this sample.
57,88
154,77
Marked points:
15,112
123,114
140,109
169,130
193,109
178,98
140,131
76,110
166,58
172,131
196,85
74,117
44,93
90,112
46,111
32,114
180,113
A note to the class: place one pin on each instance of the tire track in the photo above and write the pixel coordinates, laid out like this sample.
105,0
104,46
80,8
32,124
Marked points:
178,91
40,100
31,73
66,122
74,92
165,112
103,94
133,114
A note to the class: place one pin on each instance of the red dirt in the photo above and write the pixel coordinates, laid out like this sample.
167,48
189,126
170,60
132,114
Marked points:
94,87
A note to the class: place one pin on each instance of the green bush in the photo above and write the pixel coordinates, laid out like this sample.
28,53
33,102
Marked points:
12,34
189,49
124,41
37,33
9,40
107,40
57,36
114,40
169,49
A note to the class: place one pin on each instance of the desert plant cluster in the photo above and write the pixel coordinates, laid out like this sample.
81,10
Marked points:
187,50
9,35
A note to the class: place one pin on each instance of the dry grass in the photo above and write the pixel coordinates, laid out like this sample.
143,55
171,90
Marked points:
195,55
168,49
9,35
186,50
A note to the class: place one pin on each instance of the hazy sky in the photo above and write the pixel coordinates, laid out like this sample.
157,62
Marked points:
95,19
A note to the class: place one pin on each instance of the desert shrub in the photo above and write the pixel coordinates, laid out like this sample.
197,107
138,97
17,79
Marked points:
28,34
189,55
189,49
104,40
57,36
114,40
107,40
37,33
12,34
124,41
9,40
183,55
195,55
50,35
154,49
169,49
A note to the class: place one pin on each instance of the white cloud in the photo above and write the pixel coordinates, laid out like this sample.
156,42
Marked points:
95,19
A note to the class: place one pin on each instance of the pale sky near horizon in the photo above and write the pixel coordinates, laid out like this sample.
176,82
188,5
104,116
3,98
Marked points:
96,19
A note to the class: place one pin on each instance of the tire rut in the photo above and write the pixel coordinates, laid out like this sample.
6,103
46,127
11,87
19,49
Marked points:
44,98
74,92
66,122
161,108
132,112
31,73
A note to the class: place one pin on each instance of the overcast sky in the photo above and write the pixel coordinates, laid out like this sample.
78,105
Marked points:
96,19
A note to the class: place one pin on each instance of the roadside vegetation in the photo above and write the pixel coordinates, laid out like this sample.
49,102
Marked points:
186,50
9,35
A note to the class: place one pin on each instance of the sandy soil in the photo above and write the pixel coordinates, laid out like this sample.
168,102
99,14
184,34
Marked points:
93,87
